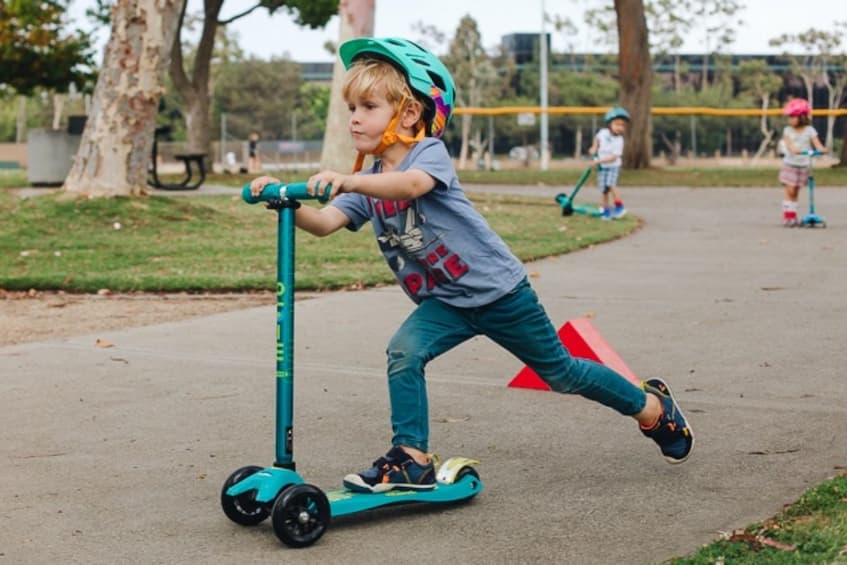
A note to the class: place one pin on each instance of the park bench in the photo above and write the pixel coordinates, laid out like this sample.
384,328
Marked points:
193,162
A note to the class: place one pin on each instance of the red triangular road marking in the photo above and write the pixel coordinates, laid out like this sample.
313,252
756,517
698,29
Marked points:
582,340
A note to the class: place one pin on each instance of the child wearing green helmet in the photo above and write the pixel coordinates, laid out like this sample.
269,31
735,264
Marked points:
607,150
462,276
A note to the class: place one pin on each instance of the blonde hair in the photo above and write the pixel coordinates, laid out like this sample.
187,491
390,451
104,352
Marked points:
370,77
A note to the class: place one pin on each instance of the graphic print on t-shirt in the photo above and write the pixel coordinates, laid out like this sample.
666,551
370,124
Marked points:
406,236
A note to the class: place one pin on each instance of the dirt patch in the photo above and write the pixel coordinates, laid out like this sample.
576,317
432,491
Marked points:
32,316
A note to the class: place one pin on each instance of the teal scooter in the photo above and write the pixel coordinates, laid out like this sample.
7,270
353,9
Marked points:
812,219
300,512
567,201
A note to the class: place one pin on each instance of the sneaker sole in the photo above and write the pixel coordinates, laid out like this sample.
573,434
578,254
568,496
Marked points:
672,460
356,484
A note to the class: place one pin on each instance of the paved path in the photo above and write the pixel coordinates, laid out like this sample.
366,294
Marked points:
118,455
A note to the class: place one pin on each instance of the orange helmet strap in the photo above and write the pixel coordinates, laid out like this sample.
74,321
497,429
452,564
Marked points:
390,137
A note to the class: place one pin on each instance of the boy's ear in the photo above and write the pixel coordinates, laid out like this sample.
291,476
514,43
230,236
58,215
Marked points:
412,113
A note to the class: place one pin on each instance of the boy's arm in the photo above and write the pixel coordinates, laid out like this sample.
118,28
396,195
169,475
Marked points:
393,185
320,221
593,149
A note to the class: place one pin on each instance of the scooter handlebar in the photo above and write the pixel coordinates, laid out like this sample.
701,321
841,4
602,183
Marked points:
812,153
292,191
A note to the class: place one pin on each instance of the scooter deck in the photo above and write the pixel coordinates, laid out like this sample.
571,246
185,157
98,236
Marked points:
587,210
812,220
344,502
563,200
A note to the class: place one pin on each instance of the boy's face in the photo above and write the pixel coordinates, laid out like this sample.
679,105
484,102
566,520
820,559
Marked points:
617,126
369,118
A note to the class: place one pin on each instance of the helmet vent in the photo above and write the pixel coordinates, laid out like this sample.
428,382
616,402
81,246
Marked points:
421,49
437,80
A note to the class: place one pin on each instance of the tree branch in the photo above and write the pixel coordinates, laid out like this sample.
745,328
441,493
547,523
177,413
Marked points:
177,70
237,16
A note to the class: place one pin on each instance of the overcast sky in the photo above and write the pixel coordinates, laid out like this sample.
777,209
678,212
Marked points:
277,36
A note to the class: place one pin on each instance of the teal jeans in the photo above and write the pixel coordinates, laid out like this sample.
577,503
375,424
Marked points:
517,322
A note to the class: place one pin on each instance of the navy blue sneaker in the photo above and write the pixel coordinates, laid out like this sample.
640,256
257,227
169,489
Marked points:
671,432
396,470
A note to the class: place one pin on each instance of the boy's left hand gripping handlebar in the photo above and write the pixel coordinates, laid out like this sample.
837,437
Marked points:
292,191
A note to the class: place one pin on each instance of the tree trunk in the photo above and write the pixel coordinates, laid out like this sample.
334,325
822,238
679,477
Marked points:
466,135
195,91
577,143
835,94
20,120
338,154
767,133
677,73
115,147
636,77
843,157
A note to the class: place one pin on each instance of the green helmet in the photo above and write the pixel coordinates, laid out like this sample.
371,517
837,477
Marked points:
615,113
426,74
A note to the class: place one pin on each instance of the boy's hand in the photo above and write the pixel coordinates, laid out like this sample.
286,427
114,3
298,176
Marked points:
258,184
340,183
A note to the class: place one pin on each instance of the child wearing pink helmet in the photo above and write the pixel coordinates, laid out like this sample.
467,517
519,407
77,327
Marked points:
799,137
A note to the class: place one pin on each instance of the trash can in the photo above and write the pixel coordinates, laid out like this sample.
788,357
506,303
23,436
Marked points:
50,154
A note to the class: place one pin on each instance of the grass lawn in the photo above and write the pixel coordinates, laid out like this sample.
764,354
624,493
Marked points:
812,530
219,243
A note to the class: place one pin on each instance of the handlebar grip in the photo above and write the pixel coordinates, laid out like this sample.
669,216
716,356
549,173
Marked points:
292,191
813,153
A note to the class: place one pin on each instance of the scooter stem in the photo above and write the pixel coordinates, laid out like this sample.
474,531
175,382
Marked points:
283,198
285,336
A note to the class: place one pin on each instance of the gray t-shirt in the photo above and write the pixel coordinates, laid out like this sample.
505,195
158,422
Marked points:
438,245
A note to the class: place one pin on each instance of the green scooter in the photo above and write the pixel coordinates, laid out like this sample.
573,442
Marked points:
300,512
567,201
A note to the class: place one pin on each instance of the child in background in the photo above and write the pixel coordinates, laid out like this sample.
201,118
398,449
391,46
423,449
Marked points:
460,273
254,162
607,150
798,137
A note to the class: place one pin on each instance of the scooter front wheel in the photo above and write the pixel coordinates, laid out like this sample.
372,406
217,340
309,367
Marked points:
243,509
300,515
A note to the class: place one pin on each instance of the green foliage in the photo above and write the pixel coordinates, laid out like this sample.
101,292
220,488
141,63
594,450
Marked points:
565,88
314,105
475,76
312,13
757,81
259,95
36,50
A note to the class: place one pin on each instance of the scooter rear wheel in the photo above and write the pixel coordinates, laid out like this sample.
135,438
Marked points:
243,509
300,515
